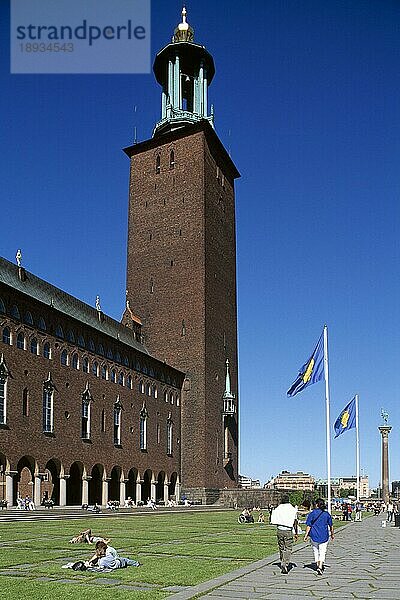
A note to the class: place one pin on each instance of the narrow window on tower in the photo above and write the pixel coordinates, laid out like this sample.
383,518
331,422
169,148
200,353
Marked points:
151,286
158,164
25,402
169,435
117,422
183,331
172,160
103,420
48,415
143,428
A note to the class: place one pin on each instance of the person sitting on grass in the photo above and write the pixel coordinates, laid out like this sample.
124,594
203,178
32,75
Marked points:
106,557
86,537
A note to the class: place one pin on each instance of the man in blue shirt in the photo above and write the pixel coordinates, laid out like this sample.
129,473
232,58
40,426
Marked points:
319,525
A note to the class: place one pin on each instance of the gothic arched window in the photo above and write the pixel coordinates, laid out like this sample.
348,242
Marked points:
41,324
7,336
158,164
75,361
46,350
64,358
172,160
28,319
21,341
34,346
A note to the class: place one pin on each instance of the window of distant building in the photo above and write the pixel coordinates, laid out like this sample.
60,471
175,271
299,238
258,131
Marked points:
75,361
42,324
7,336
34,346
14,312
95,369
169,436
143,428
64,358
172,160
117,422
28,319
3,391
100,350
85,416
129,382
48,408
46,350
113,376
21,341
85,365
25,402
81,341
103,420
59,332
91,346
110,354
121,379
158,164
104,372
71,336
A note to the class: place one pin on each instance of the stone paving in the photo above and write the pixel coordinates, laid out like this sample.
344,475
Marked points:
362,563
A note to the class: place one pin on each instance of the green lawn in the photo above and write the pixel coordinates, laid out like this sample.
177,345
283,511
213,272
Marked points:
174,549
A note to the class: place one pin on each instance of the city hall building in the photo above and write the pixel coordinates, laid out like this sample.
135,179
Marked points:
92,409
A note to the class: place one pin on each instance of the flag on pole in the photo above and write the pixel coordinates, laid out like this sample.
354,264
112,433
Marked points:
312,371
347,418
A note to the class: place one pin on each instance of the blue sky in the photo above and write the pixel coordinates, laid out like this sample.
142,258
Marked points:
306,101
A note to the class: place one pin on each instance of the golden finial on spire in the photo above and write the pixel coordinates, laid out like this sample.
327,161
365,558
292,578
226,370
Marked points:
183,33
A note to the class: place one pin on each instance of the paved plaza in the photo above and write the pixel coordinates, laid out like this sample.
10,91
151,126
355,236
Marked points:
362,562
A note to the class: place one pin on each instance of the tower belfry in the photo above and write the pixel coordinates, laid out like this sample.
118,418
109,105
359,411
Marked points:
181,267
184,69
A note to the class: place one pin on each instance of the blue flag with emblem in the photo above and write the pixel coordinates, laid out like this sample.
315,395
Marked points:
311,372
347,418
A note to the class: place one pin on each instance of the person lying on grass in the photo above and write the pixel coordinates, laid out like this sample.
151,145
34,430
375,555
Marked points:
87,538
106,557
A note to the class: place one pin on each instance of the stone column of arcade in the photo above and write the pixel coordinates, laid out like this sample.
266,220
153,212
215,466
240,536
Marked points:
385,430
153,493
9,486
166,492
63,490
85,489
122,492
139,491
104,495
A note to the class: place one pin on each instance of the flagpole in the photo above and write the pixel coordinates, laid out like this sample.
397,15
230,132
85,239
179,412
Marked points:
328,428
357,452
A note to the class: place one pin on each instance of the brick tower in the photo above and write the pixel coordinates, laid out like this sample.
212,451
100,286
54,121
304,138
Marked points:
181,267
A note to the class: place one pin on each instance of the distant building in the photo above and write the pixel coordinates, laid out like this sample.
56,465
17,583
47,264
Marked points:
344,483
396,489
249,483
292,481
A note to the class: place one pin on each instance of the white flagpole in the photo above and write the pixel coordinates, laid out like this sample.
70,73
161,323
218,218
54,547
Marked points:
328,427
357,452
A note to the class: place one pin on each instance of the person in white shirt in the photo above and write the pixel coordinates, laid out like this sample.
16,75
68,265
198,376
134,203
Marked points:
284,517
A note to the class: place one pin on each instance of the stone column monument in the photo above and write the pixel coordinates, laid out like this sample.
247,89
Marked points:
385,430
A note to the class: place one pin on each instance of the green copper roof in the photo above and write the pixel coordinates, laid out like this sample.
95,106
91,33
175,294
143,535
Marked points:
60,301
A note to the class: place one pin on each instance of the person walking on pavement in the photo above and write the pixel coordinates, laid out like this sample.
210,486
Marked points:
284,517
390,510
319,526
